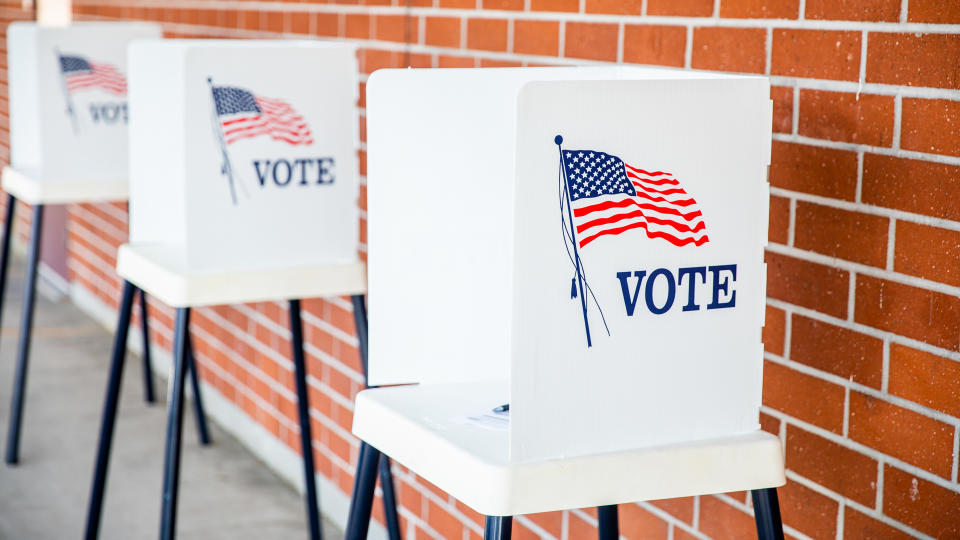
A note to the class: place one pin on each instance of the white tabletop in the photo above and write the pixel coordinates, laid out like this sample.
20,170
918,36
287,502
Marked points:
159,270
421,428
28,187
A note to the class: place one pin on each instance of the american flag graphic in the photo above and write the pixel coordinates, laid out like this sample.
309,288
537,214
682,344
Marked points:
80,74
608,197
244,115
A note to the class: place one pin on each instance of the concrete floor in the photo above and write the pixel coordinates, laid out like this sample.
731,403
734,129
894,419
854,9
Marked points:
225,492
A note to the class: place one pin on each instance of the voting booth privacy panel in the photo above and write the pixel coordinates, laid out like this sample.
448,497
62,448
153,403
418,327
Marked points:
591,237
251,146
68,99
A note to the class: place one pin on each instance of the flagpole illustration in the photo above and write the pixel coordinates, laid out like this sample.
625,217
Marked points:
226,168
573,236
66,92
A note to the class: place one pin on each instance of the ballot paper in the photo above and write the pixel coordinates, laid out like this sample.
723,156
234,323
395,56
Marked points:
488,419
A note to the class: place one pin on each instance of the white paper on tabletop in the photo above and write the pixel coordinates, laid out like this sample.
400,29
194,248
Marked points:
68,98
243,153
657,338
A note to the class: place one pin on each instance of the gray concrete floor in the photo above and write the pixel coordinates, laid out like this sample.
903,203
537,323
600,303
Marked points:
225,492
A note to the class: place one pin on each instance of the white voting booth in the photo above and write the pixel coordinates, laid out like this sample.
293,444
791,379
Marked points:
68,110
244,159
243,188
68,140
585,244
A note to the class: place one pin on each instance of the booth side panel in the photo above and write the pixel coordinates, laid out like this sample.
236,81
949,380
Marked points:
25,125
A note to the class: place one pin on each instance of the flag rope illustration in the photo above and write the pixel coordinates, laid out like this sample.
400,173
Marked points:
240,114
606,196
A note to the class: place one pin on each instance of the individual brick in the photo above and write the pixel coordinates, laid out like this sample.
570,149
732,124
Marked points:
487,34
555,5
358,26
817,54
773,330
854,10
921,314
895,431
803,396
843,234
400,28
636,522
759,9
516,5
847,117
857,526
808,511
842,352
592,41
807,284
925,378
914,59
928,252
536,37
729,49
831,465
658,45
778,226
923,505
782,97
442,31
680,8
912,185
931,125
720,520
680,508
813,169
614,7
933,11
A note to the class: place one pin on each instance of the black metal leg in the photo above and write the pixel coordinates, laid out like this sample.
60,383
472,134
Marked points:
608,523
5,249
203,432
364,485
148,392
386,477
171,467
26,328
497,528
303,411
766,510
94,509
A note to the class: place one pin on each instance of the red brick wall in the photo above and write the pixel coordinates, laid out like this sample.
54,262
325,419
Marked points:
862,375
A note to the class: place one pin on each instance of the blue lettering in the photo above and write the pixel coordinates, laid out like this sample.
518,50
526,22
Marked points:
288,174
324,170
671,291
262,174
693,272
722,284
628,302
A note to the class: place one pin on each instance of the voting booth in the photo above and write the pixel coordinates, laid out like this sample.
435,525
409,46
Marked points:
244,153
68,101
68,143
243,188
569,261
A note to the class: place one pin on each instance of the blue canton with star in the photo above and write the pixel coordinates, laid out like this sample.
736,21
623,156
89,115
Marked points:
231,100
71,64
593,174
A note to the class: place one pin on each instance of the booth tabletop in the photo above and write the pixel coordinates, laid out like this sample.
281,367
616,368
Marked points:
28,187
158,270
423,427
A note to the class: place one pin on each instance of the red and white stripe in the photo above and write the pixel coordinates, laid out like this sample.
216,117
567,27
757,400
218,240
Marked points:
278,120
661,207
103,76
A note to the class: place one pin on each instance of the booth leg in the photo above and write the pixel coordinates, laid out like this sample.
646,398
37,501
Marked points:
303,410
608,522
26,329
497,528
364,486
148,388
5,249
94,509
171,467
203,432
386,477
766,509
